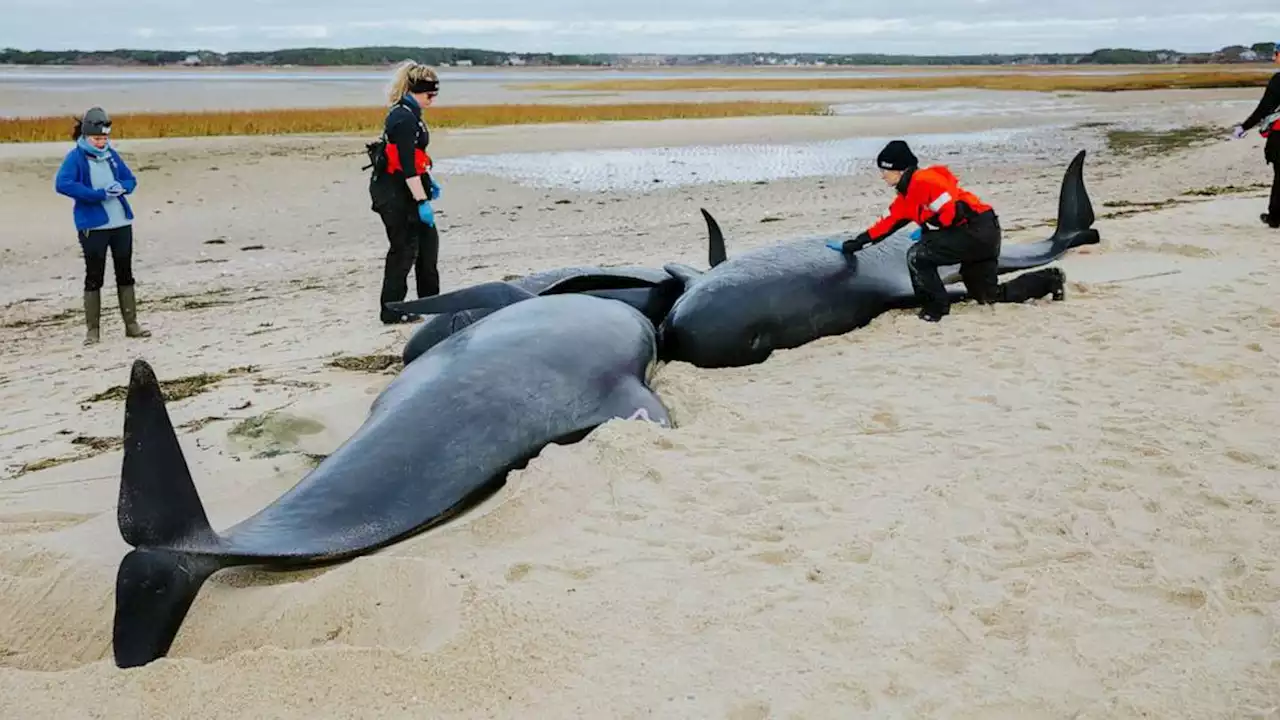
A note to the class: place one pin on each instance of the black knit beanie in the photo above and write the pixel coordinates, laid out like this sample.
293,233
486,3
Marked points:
896,156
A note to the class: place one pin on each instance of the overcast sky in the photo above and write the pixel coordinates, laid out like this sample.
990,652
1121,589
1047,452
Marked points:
567,26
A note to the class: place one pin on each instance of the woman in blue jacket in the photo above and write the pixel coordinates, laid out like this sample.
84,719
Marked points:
94,175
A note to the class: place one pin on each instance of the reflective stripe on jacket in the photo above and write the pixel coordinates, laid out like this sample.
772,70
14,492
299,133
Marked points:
928,196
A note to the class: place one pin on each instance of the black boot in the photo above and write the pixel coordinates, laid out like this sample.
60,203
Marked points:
1036,284
1273,223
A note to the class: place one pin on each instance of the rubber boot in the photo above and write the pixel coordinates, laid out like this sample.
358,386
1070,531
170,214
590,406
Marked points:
1035,284
129,312
1059,284
92,314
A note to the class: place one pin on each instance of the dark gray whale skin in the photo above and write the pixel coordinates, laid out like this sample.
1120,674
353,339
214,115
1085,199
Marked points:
443,435
786,295
649,290
652,291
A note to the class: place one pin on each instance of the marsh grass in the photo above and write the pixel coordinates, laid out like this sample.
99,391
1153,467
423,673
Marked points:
93,446
366,363
368,120
1159,142
1051,82
177,389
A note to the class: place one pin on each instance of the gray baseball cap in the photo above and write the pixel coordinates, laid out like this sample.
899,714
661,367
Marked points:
95,122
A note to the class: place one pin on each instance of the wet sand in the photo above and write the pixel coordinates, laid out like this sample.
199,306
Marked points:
1048,510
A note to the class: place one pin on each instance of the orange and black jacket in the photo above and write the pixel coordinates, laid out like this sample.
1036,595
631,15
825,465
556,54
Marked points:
930,197
407,140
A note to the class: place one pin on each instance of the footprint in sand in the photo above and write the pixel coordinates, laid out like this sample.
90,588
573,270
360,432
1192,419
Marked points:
755,710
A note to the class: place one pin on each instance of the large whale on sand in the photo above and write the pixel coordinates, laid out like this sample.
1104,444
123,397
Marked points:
440,437
785,295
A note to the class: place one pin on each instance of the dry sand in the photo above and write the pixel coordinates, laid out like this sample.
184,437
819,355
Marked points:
1055,510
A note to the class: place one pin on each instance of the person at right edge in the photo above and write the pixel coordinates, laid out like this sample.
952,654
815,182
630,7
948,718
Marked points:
399,195
956,227
1267,117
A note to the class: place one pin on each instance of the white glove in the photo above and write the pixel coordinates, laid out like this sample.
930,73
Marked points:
1237,132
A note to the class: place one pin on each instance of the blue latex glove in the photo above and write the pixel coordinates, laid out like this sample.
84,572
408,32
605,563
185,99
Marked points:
837,245
915,234
433,192
426,214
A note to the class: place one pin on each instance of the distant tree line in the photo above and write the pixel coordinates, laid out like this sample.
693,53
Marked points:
319,57
312,57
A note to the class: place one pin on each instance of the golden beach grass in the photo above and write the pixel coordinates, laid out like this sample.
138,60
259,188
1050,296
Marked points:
1049,82
368,120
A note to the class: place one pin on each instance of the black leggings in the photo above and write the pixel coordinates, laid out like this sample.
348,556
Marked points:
1273,210
95,244
976,247
413,245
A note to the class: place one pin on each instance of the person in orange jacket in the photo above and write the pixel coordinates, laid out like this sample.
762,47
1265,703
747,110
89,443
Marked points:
956,227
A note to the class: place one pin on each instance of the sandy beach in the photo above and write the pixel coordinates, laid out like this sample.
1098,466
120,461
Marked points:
1051,510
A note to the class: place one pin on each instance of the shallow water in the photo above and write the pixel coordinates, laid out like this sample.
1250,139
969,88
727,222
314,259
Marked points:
112,75
644,169
1020,105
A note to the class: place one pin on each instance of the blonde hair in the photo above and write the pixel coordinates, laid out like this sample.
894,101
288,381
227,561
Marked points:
407,73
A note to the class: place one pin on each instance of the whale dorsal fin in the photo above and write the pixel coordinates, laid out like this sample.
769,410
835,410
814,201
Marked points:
715,240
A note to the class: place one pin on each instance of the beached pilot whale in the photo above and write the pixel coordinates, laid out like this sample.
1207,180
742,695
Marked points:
440,437
785,295
651,291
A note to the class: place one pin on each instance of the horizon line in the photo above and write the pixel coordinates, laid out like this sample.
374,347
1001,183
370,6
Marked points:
617,53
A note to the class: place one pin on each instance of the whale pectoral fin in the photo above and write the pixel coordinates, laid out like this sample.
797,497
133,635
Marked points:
492,295
633,400
685,274
715,240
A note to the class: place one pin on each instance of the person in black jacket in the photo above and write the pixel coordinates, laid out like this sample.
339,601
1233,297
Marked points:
1267,117
401,189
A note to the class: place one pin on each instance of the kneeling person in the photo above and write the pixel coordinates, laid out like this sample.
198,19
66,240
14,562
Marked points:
957,227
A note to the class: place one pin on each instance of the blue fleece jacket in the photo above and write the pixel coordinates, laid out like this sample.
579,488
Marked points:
75,181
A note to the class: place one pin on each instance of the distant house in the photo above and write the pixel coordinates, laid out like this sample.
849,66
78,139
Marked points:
465,63
191,60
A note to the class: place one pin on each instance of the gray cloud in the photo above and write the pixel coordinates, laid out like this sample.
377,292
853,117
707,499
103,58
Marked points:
692,26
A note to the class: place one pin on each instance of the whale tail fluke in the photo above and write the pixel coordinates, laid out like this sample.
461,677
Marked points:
160,514
154,591
1075,210
715,240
